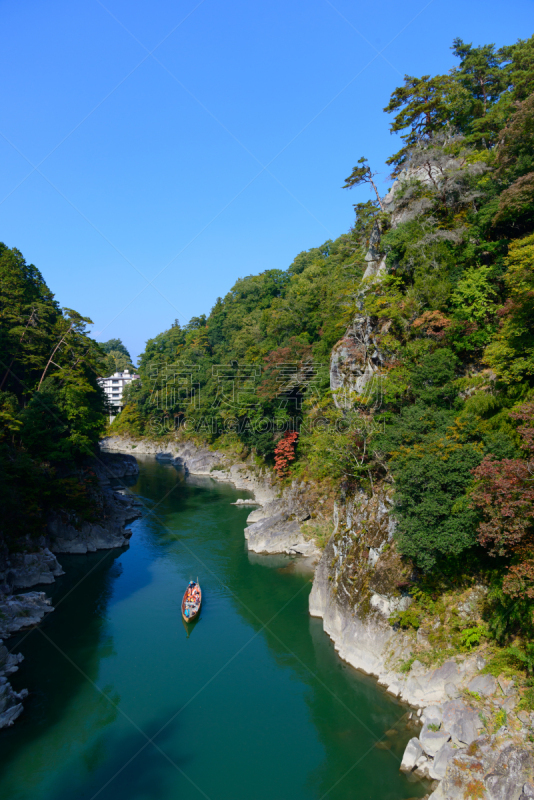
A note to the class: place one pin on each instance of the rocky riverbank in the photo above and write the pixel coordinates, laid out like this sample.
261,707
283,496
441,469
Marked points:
16,612
277,526
37,564
473,741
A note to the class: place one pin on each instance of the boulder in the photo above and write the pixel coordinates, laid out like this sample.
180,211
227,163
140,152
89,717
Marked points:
413,752
432,741
432,714
461,722
441,759
507,685
465,729
452,691
423,767
23,570
485,685
509,704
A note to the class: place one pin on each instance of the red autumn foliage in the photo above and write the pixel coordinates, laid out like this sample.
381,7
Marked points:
504,494
519,582
434,323
285,452
526,431
280,365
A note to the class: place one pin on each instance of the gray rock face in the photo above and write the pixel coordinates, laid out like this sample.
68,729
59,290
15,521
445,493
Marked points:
374,258
462,722
432,714
9,662
502,770
10,703
452,691
277,526
111,467
22,570
363,641
355,359
22,611
441,759
70,536
507,685
483,684
433,741
16,612
278,534
513,769
412,754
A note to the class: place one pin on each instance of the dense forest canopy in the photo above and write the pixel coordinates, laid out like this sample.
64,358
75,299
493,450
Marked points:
451,419
51,406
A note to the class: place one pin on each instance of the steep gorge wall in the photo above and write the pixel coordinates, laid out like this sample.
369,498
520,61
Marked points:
36,563
354,589
358,586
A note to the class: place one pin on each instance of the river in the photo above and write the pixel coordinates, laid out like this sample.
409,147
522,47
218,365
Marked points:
252,703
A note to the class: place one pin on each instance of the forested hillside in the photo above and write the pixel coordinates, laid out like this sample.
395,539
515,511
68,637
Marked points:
451,419
51,407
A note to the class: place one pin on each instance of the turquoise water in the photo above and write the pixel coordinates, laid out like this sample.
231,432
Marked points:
251,703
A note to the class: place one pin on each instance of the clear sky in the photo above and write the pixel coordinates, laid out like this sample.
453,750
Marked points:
178,146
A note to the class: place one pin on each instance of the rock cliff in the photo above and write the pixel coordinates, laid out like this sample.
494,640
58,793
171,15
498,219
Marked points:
16,612
70,534
37,564
358,587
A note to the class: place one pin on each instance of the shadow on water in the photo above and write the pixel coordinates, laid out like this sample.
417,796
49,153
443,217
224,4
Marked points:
189,627
115,766
266,707
350,713
77,634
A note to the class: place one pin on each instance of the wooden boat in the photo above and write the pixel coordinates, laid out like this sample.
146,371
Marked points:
191,608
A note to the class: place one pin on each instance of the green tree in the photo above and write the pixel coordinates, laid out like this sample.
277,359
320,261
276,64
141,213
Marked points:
481,73
362,174
511,353
118,358
115,346
423,107
434,526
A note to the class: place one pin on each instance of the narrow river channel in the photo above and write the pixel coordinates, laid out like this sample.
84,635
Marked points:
251,704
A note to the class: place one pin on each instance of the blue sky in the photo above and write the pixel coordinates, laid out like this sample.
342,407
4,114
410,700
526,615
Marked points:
179,146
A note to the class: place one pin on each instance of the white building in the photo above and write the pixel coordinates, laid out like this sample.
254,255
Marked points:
113,387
